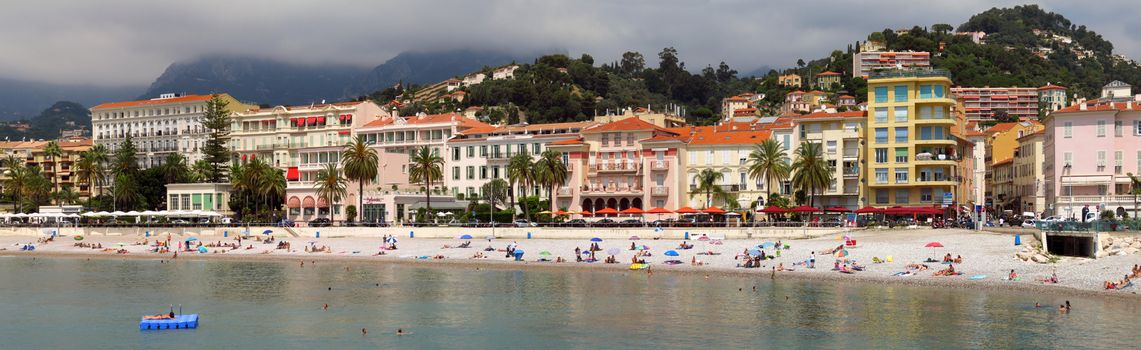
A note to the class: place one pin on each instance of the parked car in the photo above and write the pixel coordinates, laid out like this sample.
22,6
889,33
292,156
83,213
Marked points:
524,223
1029,223
604,223
472,222
631,223
320,222
576,223
285,223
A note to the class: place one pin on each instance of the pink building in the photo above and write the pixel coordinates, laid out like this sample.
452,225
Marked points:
1090,148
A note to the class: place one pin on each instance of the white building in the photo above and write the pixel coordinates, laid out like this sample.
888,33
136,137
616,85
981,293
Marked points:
158,127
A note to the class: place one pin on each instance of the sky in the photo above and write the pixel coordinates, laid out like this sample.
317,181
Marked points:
121,42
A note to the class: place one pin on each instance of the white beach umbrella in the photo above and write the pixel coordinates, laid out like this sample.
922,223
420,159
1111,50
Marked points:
148,213
20,215
118,213
133,213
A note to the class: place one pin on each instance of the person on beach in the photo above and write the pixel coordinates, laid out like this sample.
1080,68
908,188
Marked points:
812,260
1012,275
166,316
578,254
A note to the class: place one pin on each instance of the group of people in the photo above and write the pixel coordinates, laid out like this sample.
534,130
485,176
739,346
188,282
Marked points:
89,245
949,271
1125,281
958,259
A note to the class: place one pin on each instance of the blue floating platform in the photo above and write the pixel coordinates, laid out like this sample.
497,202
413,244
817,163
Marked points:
178,322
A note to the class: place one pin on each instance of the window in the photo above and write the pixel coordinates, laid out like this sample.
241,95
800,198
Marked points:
1100,160
470,151
483,151
900,175
1100,128
455,173
900,114
902,195
901,135
881,114
456,153
1118,128
1067,159
787,142
938,91
495,172
881,176
483,172
830,147
901,155
1118,162
881,196
1068,129
881,135
1139,161
901,93
1137,130
881,155
536,148
925,195
925,91
881,94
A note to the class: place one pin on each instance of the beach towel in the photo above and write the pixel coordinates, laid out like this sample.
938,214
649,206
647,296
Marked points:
902,274
978,277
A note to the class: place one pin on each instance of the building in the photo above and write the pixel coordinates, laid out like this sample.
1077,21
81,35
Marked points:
1002,138
864,63
911,153
395,138
199,196
301,140
169,124
505,72
1090,148
839,135
473,79
981,103
629,163
668,119
1052,97
976,37
60,170
792,80
452,84
1029,181
725,149
828,80
804,102
1117,90
730,105
478,155
1001,186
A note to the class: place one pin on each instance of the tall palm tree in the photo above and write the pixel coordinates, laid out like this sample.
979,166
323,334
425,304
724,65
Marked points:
174,168
707,181
67,195
551,172
812,171
99,158
1136,181
330,184
520,171
202,171
52,151
273,185
17,178
238,187
36,189
360,163
86,170
768,161
426,167
126,192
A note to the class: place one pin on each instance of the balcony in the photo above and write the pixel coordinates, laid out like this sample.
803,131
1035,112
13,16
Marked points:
851,153
726,188
1109,200
659,191
265,147
929,157
660,164
852,172
497,156
614,167
608,190
946,140
564,191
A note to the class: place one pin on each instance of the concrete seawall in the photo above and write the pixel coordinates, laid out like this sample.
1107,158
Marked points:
440,232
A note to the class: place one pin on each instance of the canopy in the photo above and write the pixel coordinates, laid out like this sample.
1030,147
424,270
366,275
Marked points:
606,211
805,209
585,213
686,210
773,210
658,210
869,210
559,212
596,239
545,212
714,210
934,245
837,210
631,211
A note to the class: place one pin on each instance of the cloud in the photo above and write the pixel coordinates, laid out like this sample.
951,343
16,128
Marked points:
131,42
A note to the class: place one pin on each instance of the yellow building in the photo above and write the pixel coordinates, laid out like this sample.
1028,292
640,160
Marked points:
839,136
61,170
911,153
789,80
1002,139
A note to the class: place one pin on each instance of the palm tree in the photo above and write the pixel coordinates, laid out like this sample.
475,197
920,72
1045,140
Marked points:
425,167
495,191
238,187
707,181
36,189
812,171
330,184
99,158
273,185
86,170
520,171
174,168
769,162
126,192
360,163
53,152
202,171
17,178
67,195
1135,191
551,172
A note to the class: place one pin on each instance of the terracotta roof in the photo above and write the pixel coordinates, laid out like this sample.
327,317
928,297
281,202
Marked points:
429,119
577,141
528,128
1003,162
828,73
1039,132
1051,87
709,135
736,99
847,96
628,124
1096,106
187,98
849,114
975,133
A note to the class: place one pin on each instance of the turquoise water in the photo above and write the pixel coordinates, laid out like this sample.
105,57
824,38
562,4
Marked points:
73,303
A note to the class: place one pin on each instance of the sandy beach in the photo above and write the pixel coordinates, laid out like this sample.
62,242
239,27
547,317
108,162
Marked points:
986,257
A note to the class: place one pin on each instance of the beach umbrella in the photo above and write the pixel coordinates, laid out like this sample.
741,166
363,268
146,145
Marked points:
714,210
934,245
841,253
464,237
773,210
869,210
805,209
754,251
266,232
658,210
545,253
686,210
672,253
767,245
613,251
201,249
559,213
191,239
607,211
585,213
490,237
837,210
545,212
631,211
596,239
634,238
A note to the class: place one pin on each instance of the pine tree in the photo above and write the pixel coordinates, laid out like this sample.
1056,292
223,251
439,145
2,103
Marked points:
216,121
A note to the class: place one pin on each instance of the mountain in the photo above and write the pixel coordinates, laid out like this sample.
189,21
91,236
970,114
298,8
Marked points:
422,67
21,99
761,71
60,116
263,81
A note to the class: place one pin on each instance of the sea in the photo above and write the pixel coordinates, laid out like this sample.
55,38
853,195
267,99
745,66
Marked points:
76,303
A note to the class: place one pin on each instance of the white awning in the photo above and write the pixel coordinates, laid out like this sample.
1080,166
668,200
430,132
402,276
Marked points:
1087,180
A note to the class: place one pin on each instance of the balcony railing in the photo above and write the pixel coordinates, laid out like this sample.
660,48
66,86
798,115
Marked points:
726,188
564,191
660,164
928,156
618,166
610,189
659,191
1112,200
853,171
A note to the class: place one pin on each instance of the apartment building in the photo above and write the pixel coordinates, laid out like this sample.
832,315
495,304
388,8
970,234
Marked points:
789,80
864,63
478,155
725,149
981,103
1001,185
911,152
1090,148
1053,97
60,170
828,80
301,140
1002,139
730,105
169,124
1029,181
839,135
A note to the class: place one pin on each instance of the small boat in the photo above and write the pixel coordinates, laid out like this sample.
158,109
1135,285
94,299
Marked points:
185,321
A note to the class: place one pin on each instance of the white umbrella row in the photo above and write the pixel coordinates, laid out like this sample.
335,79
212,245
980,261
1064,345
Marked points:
38,215
174,213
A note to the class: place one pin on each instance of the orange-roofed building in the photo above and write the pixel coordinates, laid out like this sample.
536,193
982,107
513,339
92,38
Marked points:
839,136
828,80
59,170
168,124
730,105
792,80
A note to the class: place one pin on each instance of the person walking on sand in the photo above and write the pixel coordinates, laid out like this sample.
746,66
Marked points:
812,260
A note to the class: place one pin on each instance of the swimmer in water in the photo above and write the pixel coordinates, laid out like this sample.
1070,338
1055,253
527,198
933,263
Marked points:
1037,305
326,308
400,331
364,331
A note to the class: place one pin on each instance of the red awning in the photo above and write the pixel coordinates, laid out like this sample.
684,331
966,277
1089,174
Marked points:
312,121
322,203
308,202
714,210
343,132
686,210
606,211
292,174
320,120
293,121
293,203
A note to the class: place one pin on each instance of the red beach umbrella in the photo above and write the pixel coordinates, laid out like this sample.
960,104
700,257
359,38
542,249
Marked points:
631,211
773,210
686,210
805,209
714,210
607,211
934,245
869,210
658,210
837,210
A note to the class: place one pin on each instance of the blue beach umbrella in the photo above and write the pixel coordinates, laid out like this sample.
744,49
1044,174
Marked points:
266,232
201,249
671,253
754,252
192,239
768,245
464,237
596,239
